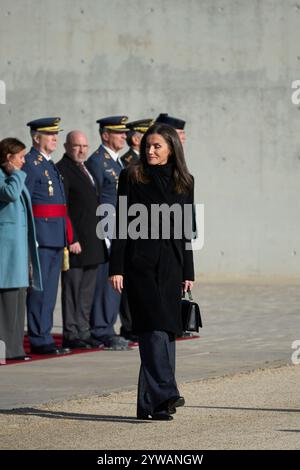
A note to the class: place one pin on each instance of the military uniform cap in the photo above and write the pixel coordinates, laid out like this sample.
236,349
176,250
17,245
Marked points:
114,123
142,125
164,118
48,125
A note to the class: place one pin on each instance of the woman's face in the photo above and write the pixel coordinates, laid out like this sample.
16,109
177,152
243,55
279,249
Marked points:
17,159
157,150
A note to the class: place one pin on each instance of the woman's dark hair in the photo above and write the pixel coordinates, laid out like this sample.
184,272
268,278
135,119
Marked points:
10,145
182,178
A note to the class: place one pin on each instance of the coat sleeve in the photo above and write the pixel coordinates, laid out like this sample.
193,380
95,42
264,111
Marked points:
12,186
118,247
188,260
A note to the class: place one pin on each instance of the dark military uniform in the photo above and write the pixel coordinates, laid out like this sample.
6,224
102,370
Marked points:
141,126
129,157
45,186
105,171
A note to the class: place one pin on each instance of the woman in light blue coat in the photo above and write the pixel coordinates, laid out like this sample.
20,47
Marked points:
19,263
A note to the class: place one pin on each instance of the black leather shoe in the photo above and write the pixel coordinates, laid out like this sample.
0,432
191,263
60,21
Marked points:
179,402
115,343
75,344
143,416
49,349
162,416
174,403
19,358
129,335
170,405
158,416
93,342
61,351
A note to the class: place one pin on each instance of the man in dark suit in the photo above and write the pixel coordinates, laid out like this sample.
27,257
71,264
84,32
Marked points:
49,209
105,166
87,251
133,138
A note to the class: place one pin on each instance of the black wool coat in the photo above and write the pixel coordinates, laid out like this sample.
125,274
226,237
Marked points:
82,201
153,269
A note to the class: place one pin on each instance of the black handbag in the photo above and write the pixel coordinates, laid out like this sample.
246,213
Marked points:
190,314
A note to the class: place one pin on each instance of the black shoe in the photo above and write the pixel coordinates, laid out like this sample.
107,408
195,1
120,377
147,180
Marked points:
93,342
19,358
143,416
180,401
174,403
129,335
162,416
50,349
186,334
75,344
157,416
114,343
171,404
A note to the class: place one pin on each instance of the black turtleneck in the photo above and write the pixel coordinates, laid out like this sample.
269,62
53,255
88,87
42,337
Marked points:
161,174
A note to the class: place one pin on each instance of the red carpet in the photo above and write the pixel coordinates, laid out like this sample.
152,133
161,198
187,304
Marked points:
58,341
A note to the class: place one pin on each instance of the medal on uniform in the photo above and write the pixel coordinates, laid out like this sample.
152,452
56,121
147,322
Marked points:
50,188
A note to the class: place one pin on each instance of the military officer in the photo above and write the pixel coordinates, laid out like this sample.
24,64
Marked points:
49,209
105,166
136,131
174,122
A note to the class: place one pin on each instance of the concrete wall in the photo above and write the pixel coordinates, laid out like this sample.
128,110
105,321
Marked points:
224,66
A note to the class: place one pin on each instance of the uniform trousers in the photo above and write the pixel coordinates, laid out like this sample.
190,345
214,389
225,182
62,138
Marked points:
157,382
12,318
40,305
106,305
78,288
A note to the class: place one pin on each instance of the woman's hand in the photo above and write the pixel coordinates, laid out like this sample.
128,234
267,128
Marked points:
75,248
187,285
9,167
117,282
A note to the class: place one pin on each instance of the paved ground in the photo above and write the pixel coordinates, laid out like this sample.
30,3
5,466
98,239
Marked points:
257,410
246,327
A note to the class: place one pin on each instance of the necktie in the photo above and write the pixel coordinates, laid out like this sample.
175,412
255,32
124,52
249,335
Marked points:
120,162
83,169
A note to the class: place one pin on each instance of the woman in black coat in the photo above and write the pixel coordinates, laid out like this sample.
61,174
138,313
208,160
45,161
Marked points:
153,257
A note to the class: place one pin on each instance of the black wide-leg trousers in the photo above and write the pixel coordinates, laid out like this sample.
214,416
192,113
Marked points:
157,382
